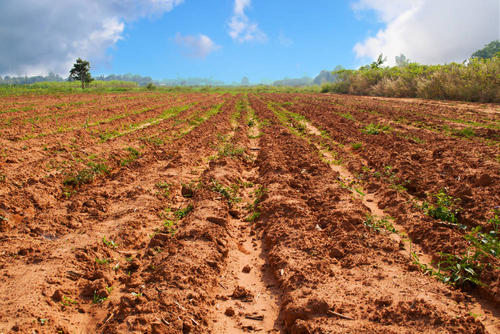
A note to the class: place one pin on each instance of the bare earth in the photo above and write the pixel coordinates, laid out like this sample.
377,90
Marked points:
240,213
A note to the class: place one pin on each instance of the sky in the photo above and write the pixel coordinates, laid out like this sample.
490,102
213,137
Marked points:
264,40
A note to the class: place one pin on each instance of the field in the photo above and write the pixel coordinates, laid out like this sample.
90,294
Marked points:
248,211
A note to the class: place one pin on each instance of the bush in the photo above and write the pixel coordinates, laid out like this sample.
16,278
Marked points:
476,81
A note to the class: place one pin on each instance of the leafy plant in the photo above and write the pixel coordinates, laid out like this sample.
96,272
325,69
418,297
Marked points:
97,299
86,175
446,207
133,155
165,187
181,213
67,301
375,129
379,225
356,146
109,243
101,261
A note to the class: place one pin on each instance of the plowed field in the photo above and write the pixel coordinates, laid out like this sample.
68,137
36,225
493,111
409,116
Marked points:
232,213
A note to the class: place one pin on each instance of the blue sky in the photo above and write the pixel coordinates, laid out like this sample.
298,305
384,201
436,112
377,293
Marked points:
264,40
300,40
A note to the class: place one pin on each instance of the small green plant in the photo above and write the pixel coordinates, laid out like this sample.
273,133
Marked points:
375,129
229,150
379,225
133,156
181,213
445,209
170,226
67,301
229,193
101,261
347,116
164,187
253,216
461,268
109,243
466,132
357,146
86,175
97,299
2,177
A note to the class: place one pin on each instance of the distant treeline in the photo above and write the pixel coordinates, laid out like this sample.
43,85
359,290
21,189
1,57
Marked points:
140,80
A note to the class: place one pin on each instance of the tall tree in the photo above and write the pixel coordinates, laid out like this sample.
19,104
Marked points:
489,51
81,72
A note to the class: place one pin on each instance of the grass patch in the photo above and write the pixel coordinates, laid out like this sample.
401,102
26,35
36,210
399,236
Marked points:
375,129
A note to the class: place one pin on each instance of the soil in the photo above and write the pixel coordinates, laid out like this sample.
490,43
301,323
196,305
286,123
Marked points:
224,213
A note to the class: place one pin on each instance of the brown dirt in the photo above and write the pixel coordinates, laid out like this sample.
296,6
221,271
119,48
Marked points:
233,217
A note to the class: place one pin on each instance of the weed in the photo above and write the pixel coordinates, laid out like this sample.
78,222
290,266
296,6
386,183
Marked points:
133,155
229,150
97,299
347,116
229,193
2,177
466,132
67,301
379,225
165,187
101,261
86,175
109,243
357,146
446,207
170,226
181,213
461,268
375,129
253,216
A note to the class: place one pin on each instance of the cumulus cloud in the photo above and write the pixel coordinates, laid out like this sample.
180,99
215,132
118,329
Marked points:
196,46
241,28
41,36
430,31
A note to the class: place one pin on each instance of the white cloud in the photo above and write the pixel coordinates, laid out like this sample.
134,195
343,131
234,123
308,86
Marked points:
241,28
430,31
40,36
196,46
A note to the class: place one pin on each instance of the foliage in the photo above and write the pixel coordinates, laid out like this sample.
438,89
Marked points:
445,209
474,80
133,155
181,213
489,51
81,72
86,175
375,129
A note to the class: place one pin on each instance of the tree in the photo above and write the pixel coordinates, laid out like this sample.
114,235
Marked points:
379,62
81,72
245,81
489,51
402,61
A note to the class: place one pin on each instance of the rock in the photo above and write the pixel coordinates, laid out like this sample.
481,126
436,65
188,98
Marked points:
484,180
242,293
218,221
246,269
229,312
336,253
57,296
